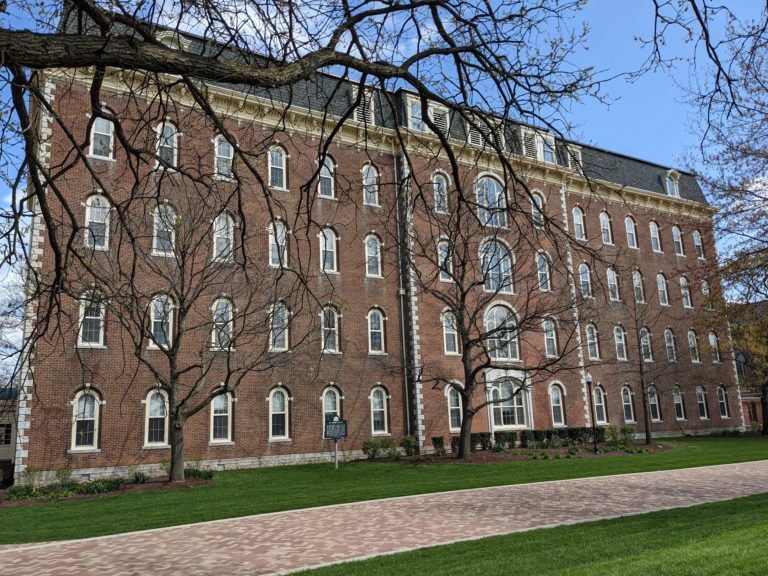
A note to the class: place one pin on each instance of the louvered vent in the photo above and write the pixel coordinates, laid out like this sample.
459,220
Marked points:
529,144
364,109
440,119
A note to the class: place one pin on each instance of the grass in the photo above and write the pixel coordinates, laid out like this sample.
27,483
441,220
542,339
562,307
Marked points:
721,539
245,492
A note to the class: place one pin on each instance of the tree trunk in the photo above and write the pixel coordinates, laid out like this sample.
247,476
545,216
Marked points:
465,447
764,404
646,417
177,449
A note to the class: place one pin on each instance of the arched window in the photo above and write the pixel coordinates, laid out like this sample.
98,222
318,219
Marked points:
372,256
645,345
627,404
277,168
331,405
620,340
97,222
223,234
544,272
671,184
714,347
102,139
221,335
638,286
501,334
677,240
579,230
85,421
585,281
221,418
593,342
379,420
278,244
653,404
508,399
326,187
677,400
167,145
328,257
491,203
698,245
661,286
550,338
454,408
670,345
225,154
370,185
722,402
440,190
445,261
653,227
450,336
613,285
693,344
161,317
537,210
164,236
376,332
278,327
278,415
606,231
556,403
601,416
92,311
631,227
496,261
701,401
156,425
685,292
330,329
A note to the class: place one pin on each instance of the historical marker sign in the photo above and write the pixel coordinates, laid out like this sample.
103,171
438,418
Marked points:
336,429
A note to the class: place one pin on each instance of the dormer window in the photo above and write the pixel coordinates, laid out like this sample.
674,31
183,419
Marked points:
672,181
363,105
415,117
481,134
548,149
440,118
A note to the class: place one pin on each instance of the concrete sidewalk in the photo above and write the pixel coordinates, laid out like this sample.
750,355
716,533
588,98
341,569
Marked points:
288,541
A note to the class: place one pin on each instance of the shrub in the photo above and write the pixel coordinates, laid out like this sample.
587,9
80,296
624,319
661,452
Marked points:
389,447
409,445
438,443
31,475
101,486
499,448
455,444
165,466
372,448
64,474
198,472
20,491
140,477
755,426
627,434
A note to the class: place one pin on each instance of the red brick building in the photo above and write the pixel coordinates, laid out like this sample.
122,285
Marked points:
287,282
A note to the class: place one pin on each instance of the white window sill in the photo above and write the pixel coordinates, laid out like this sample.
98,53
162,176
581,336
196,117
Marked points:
156,347
214,443
104,249
162,254
377,353
332,352
444,281
216,260
155,446
503,428
280,440
681,419
658,251
594,359
703,418
330,272
223,178
725,417
380,434
332,198
441,212
217,349
279,350
84,451
375,276
633,421
103,158
83,346
279,266
280,189
454,354
656,421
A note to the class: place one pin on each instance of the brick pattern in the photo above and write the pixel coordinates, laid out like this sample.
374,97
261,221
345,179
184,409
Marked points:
288,541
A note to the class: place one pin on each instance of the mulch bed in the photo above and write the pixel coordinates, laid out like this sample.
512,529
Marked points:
151,485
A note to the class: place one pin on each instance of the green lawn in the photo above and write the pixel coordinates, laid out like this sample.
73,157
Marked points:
722,539
244,492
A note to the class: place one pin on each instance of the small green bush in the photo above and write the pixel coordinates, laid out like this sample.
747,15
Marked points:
409,445
455,440
438,443
101,486
140,477
64,474
389,447
195,472
372,448
31,475
20,492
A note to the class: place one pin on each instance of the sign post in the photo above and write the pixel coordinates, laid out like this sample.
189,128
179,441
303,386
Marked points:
336,429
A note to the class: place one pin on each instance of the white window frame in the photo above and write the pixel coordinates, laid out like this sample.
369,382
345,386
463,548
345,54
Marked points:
162,142
491,212
454,407
160,218
598,392
722,403
613,285
701,402
670,344
373,257
593,342
441,206
585,281
379,391
672,184
278,251
218,158
631,227
510,352
679,404
620,342
656,245
677,240
646,349
537,210
685,292
286,413
327,173
445,261
168,308
698,245
369,186
448,320
663,289
327,330
148,415
382,349
226,233
557,401
498,276
225,328
328,415
515,404
551,349
97,132
606,230
228,414
89,219
638,286
282,331
93,446
86,302
273,168
714,348
579,226
693,346
329,241
544,272
365,108
415,121
654,404
627,404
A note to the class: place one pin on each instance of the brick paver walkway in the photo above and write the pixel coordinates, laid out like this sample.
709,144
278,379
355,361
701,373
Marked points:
287,541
